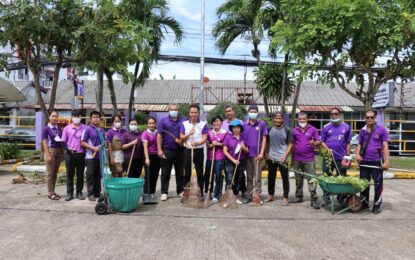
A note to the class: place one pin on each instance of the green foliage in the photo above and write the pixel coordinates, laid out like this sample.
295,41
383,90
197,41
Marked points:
219,109
360,184
184,110
142,127
327,159
9,151
141,118
268,120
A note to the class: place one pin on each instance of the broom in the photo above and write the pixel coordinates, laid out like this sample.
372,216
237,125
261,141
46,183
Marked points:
129,163
256,198
229,199
191,195
207,200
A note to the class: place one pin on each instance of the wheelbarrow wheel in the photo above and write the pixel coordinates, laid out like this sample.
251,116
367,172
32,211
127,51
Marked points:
354,203
101,208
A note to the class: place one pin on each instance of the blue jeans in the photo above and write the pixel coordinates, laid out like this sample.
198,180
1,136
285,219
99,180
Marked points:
238,182
217,172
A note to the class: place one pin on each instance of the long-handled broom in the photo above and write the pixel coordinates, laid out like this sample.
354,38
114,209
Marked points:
228,200
210,187
256,197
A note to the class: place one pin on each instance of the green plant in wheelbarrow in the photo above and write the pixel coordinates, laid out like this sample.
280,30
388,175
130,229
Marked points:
359,184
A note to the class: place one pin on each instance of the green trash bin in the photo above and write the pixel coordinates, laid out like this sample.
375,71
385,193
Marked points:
124,193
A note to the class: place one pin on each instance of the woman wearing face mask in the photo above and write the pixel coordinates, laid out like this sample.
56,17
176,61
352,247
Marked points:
130,140
113,139
152,160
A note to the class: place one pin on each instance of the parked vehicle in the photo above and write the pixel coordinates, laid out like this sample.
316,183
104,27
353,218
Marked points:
393,143
20,135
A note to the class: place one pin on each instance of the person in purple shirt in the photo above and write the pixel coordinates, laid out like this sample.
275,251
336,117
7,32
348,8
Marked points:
335,137
114,144
152,161
91,141
304,138
53,152
170,150
75,156
255,133
235,149
193,134
215,140
229,117
130,140
373,150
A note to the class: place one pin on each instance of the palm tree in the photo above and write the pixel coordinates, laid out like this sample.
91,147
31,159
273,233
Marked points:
152,14
240,19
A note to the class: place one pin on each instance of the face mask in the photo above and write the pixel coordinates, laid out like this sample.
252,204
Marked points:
133,128
173,113
117,125
335,120
302,125
252,116
76,120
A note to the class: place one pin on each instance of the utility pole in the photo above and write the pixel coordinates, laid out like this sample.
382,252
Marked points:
202,57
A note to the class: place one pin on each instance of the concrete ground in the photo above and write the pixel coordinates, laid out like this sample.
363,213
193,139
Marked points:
34,227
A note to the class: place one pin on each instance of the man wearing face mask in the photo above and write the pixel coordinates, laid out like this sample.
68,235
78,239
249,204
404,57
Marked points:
255,133
75,156
335,137
304,138
170,150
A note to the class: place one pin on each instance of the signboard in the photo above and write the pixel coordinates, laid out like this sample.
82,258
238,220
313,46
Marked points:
384,96
79,90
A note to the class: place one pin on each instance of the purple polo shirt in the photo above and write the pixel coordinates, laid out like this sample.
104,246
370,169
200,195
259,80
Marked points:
379,136
90,135
128,137
218,137
231,142
49,133
72,137
336,137
250,134
173,127
226,123
303,150
114,132
151,139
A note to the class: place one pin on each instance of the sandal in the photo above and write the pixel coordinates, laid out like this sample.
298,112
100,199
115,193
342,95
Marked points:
54,196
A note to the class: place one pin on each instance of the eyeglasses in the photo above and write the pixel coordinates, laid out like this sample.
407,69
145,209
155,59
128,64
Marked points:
370,117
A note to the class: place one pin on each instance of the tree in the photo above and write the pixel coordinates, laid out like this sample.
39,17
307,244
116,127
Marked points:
240,19
107,44
37,31
219,110
154,15
366,41
271,83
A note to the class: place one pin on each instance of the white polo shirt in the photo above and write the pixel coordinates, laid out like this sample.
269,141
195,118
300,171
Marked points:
200,130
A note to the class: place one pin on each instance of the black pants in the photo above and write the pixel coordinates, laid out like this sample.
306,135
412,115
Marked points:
152,174
173,157
136,167
329,170
377,175
198,156
239,179
93,177
75,162
272,173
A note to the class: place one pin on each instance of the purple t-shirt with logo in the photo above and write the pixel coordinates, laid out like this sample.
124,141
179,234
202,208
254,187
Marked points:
114,132
218,137
49,133
250,134
91,136
151,139
379,136
336,137
231,142
303,150
168,127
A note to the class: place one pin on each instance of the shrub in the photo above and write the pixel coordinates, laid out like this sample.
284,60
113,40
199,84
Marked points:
219,109
9,150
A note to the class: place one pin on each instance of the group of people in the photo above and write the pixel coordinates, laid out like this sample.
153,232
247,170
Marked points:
236,150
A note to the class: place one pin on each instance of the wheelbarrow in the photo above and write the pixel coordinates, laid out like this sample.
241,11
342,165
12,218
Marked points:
353,201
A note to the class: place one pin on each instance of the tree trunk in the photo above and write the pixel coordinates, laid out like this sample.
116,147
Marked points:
100,96
109,75
133,87
296,96
284,80
58,67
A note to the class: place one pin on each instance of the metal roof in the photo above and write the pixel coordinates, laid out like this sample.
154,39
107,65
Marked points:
9,92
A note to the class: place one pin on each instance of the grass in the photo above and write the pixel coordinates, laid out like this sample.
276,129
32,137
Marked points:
28,153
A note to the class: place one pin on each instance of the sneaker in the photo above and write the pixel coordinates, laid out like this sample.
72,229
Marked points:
315,204
79,196
298,200
239,202
376,210
284,202
164,197
215,200
69,197
91,198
